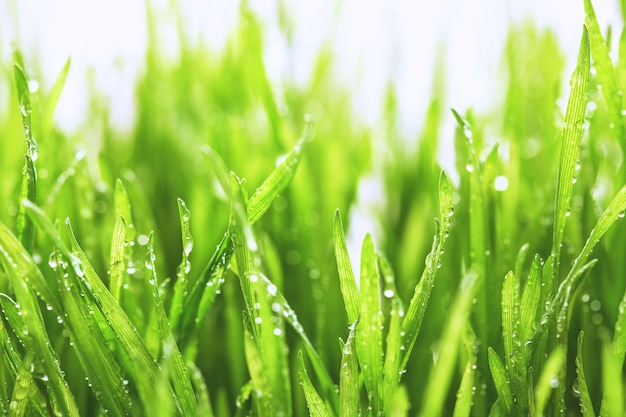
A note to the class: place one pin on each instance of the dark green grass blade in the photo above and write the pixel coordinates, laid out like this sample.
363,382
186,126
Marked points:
315,403
586,407
117,265
346,276
17,265
548,379
441,377
465,394
605,72
171,354
349,377
276,182
53,97
369,338
501,381
570,144
417,306
23,382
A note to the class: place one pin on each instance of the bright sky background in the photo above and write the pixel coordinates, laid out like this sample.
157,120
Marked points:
375,40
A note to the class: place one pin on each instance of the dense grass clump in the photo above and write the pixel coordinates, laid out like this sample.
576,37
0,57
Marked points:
199,266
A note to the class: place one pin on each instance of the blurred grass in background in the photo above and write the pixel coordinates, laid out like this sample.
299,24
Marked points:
504,204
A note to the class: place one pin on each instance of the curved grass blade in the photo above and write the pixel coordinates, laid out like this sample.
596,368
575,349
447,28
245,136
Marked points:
369,338
25,231
23,95
346,276
439,380
548,380
501,382
23,382
171,354
276,182
349,377
315,404
417,307
180,288
531,300
605,71
585,399
53,97
570,144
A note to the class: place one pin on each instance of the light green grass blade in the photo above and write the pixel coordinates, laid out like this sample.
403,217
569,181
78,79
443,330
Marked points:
369,338
514,355
619,338
15,321
349,377
121,201
262,388
346,276
19,398
53,97
501,381
612,385
418,304
26,110
180,288
276,182
531,301
605,72
581,382
570,146
439,380
391,367
315,403
171,354
202,392
25,231
465,394
548,379
117,265
18,266
521,259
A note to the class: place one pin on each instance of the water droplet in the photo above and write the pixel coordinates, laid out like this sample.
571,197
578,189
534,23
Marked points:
501,183
621,214
554,381
568,212
388,293
272,289
277,331
469,168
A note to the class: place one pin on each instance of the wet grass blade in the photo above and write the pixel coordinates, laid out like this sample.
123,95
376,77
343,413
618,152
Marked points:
419,302
315,403
501,381
171,354
180,288
570,146
369,338
117,266
349,377
346,276
53,97
276,182
531,300
605,71
581,382
612,384
25,230
23,382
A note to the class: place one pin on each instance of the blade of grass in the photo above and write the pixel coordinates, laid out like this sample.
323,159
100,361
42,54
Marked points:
605,72
465,394
262,389
25,231
531,300
53,98
570,146
315,403
612,386
548,379
171,354
417,306
349,377
180,288
19,398
501,381
346,276
117,266
586,407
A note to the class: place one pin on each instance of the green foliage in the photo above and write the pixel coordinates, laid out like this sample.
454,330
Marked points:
199,265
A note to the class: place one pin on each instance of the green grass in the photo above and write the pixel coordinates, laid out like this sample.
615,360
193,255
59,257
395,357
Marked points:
199,265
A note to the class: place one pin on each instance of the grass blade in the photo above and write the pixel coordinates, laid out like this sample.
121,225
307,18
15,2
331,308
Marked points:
349,377
417,307
465,394
581,382
117,266
548,379
180,288
605,72
501,381
19,398
26,110
531,300
317,407
369,338
570,144
612,386
346,276
53,97
25,231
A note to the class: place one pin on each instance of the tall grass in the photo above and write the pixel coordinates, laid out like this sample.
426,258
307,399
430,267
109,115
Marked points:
199,265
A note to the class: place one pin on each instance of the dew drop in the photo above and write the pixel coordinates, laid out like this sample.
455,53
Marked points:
388,293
